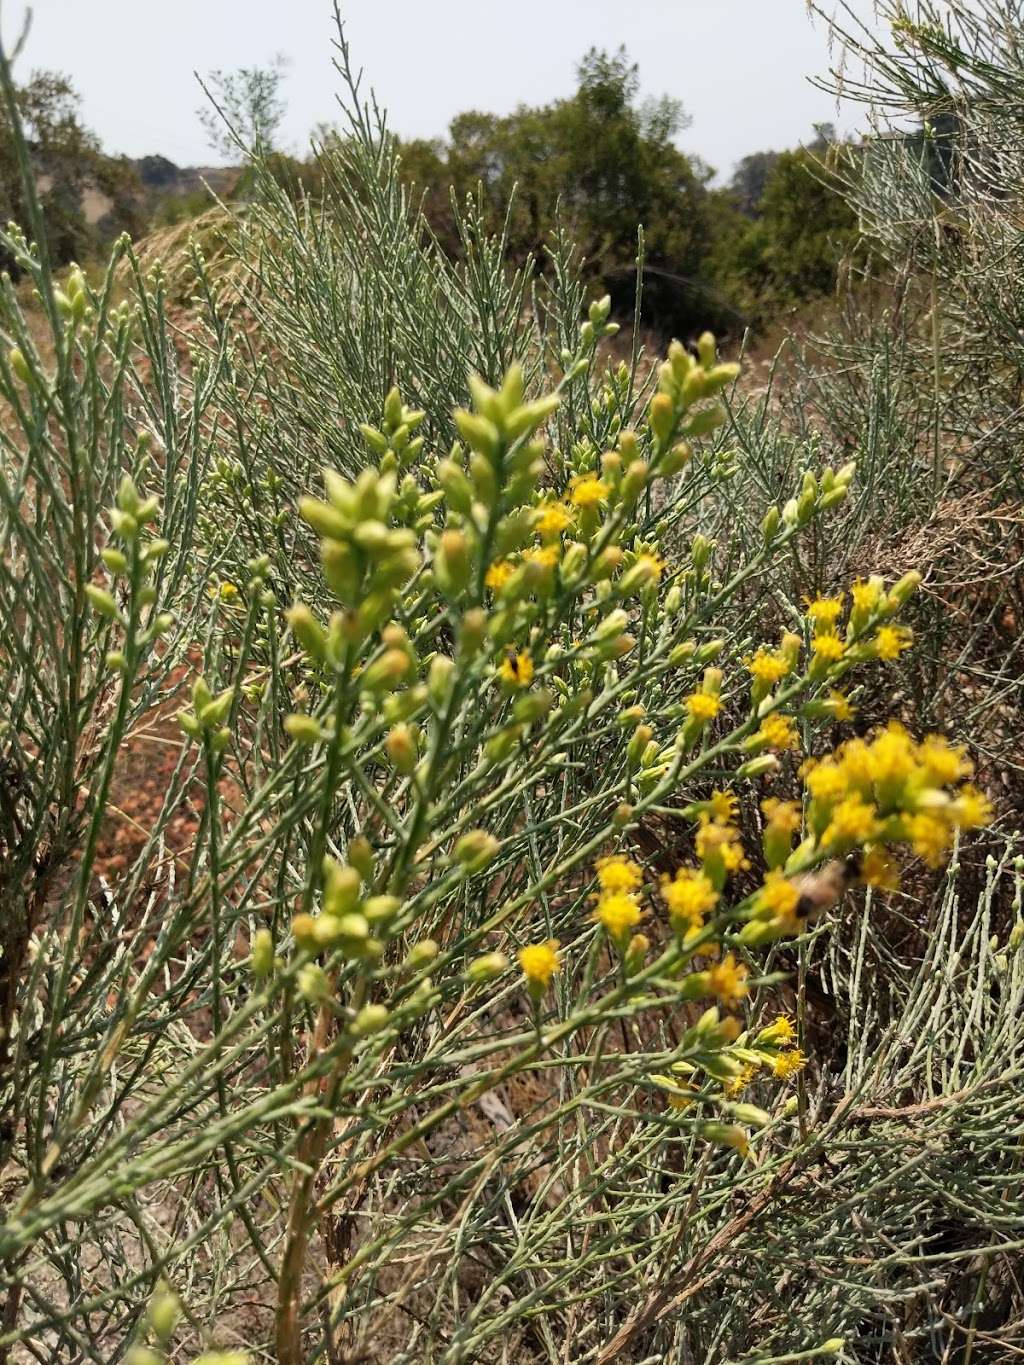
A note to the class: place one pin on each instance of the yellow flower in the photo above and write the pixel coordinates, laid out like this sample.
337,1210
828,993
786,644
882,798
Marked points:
739,1082
777,900
778,732
779,1032
647,566
892,757
972,808
942,762
587,490
722,807
825,781
866,594
788,1063
824,612
853,822
689,897
703,706
828,648
517,670
719,847
540,962
619,912
498,574
783,816
877,869
840,707
616,873
225,592
891,641
767,668
545,555
930,837
727,980
553,518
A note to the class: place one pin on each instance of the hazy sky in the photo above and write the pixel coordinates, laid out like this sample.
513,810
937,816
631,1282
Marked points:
740,67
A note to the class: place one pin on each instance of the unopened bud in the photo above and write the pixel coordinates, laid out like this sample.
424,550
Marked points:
486,968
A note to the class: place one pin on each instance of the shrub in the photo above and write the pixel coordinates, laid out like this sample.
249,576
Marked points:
452,1024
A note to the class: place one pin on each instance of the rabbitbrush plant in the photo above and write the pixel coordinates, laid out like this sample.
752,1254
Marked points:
456,1028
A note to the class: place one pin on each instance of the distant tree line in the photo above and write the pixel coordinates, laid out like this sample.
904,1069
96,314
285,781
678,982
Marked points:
597,163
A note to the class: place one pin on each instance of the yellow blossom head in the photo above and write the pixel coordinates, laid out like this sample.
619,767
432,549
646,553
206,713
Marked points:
891,641
767,668
727,980
516,670
788,1063
616,873
824,612
689,897
498,574
853,821
828,648
553,518
540,962
722,807
703,706
619,912
587,491
777,731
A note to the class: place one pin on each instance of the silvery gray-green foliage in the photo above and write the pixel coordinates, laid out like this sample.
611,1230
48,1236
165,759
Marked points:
159,1090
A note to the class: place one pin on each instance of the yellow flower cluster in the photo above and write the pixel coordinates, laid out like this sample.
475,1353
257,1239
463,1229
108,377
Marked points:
539,963
889,789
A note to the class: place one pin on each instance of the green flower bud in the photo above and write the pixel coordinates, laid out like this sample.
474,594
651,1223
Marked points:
452,563
400,744
900,592
479,433
759,766
370,1019
116,661
487,968
360,855
312,982
770,525
475,849
19,365
457,488
381,909
473,632
216,711
115,561
661,416
302,729
307,630
420,955
439,679
324,519
102,602
262,953
749,1114
142,1355
342,570
190,724
341,887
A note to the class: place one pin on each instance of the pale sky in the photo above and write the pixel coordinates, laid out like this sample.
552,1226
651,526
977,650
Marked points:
740,67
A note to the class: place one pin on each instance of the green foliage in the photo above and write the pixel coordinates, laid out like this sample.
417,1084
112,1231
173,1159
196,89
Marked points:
802,229
68,162
601,162
454,631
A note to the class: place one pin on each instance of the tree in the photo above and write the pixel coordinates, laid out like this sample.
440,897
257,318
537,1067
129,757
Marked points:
602,160
67,161
801,229
247,111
